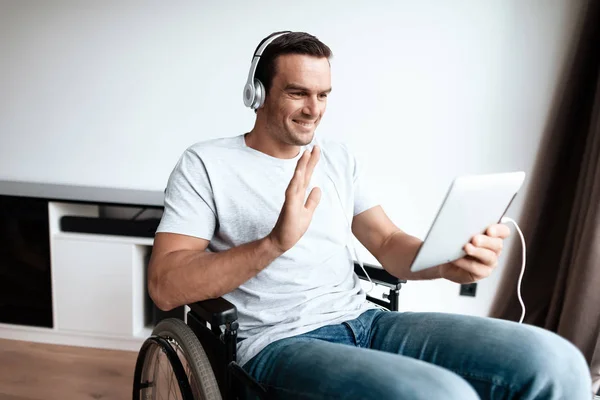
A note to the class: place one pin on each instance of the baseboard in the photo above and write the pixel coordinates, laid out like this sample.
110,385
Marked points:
52,336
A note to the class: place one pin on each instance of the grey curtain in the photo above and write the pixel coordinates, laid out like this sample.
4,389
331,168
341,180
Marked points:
561,218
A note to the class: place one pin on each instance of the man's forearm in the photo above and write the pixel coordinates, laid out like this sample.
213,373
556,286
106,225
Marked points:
398,252
194,276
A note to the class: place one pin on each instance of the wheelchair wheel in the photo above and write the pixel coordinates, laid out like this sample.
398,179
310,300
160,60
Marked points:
189,373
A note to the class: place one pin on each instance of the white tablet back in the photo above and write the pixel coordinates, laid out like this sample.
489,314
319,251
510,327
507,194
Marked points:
471,205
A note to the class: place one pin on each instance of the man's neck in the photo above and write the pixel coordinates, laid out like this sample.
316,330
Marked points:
262,141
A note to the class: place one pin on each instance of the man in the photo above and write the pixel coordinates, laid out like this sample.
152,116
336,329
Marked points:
275,211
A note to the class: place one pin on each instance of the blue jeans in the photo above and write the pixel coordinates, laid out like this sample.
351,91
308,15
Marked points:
402,355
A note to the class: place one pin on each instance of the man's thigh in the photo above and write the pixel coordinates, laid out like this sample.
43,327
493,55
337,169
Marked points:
498,358
309,368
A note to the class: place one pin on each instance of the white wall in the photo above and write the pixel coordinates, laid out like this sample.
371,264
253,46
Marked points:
110,93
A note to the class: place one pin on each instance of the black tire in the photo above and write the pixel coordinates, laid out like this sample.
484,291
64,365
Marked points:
148,381
183,339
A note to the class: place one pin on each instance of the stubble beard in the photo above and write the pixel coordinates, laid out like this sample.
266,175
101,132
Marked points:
299,140
288,136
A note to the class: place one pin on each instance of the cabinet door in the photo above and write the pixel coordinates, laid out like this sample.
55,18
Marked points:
93,286
25,289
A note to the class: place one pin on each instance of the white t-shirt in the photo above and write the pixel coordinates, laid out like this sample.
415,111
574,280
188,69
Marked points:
230,194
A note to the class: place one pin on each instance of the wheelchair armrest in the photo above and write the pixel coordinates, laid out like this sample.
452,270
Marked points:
377,274
215,311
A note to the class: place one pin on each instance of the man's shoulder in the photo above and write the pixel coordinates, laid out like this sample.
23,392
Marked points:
222,144
212,152
335,150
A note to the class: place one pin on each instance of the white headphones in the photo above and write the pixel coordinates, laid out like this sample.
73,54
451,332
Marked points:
254,91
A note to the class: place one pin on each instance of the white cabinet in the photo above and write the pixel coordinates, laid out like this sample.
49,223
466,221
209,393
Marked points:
98,282
99,292
98,285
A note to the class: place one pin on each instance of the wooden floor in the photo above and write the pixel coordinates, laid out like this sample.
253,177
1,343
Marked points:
32,371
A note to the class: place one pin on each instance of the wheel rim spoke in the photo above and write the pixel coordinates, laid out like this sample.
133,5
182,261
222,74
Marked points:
158,379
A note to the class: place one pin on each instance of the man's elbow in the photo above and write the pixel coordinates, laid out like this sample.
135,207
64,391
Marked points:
157,295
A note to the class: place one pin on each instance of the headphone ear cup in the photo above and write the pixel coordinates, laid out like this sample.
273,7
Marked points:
249,95
259,94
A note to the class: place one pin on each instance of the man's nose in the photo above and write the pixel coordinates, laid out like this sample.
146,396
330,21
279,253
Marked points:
311,106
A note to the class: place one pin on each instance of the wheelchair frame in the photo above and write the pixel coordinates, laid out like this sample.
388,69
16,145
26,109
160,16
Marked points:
206,319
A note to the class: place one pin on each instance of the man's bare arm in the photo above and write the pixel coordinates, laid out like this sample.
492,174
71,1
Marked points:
396,250
393,248
182,272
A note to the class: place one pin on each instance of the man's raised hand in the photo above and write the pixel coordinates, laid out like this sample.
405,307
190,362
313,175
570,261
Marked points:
296,214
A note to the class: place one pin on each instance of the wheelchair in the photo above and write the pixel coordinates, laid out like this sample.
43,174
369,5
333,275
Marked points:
197,360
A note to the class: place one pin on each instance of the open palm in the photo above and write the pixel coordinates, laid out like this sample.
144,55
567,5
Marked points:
296,214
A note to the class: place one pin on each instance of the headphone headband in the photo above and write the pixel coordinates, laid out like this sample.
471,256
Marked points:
254,95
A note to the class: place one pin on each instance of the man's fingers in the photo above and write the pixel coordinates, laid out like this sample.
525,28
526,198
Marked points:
501,231
296,184
483,255
304,170
313,199
474,267
494,244
310,167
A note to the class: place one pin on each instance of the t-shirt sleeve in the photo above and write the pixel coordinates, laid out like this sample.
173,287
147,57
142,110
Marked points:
189,203
364,198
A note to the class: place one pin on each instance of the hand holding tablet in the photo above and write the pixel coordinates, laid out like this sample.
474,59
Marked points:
472,204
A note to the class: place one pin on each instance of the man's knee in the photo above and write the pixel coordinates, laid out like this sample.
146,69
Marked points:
553,366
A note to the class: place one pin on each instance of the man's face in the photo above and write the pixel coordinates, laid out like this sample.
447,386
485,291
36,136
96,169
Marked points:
297,98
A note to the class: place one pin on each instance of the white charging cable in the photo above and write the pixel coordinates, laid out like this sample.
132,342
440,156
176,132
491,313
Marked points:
362,266
505,220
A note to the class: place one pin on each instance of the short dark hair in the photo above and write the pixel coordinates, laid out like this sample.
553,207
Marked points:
291,43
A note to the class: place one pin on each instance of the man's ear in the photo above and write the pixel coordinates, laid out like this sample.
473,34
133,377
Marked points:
262,106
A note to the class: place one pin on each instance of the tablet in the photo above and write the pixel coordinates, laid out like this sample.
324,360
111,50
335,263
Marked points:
472,204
